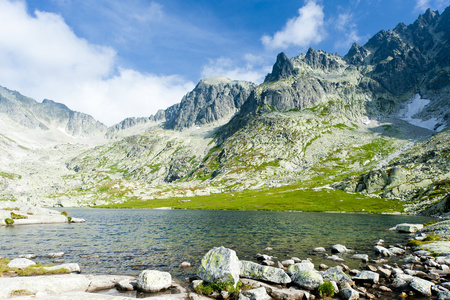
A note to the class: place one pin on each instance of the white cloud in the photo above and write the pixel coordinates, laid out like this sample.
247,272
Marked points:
422,5
348,31
300,31
252,69
41,57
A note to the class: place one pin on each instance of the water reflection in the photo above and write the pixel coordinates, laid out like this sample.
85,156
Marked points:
127,241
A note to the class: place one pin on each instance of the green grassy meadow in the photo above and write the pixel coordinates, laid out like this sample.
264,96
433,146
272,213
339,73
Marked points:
287,198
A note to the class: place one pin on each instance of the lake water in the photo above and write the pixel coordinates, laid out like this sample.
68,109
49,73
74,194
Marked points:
128,241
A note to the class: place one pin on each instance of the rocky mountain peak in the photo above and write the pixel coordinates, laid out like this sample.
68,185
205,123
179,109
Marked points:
356,55
283,68
211,100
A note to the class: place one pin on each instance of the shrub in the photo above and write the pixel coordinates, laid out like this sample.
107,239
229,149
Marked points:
17,216
326,289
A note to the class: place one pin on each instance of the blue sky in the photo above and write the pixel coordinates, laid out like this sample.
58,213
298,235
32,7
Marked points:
115,59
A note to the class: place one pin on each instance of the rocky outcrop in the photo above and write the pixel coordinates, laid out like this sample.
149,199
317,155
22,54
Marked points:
213,99
30,114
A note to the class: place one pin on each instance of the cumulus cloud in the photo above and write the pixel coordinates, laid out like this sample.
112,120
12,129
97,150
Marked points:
303,30
41,57
252,68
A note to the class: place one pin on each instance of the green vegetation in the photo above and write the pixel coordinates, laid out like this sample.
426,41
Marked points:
9,221
326,289
15,216
10,175
33,270
286,198
10,208
207,288
429,239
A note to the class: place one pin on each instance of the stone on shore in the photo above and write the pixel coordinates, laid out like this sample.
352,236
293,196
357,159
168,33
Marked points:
439,247
383,251
153,281
347,292
255,294
422,286
307,278
220,264
255,271
367,276
20,263
319,249
408,228
335,274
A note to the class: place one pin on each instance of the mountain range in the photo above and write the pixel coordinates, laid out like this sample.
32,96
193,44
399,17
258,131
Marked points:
374,121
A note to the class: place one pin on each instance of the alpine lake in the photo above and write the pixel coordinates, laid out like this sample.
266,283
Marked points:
127,241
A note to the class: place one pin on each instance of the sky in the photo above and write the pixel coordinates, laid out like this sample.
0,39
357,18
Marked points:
114,59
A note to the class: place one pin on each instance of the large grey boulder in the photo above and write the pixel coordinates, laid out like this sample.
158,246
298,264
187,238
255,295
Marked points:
255,294
335,274
422,286
153,281
253,270
220,264
303,266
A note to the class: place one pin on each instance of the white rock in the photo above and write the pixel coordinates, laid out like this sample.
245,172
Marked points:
71,267
20,263
55,254
153,281
408,228
319,249
265,273
339,249
422,286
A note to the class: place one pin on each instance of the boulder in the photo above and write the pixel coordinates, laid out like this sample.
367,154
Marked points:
220,264
102,282
411,259
20,263
334,274
185,264
288,262
255,294
290,293
153,281
338,248
255,271
421,285
396,250
126,285
383,251
362,257
408,228
303,266
347,293
28,256
304,275
367,276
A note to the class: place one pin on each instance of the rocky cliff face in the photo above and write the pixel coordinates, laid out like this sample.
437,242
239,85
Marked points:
211,100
